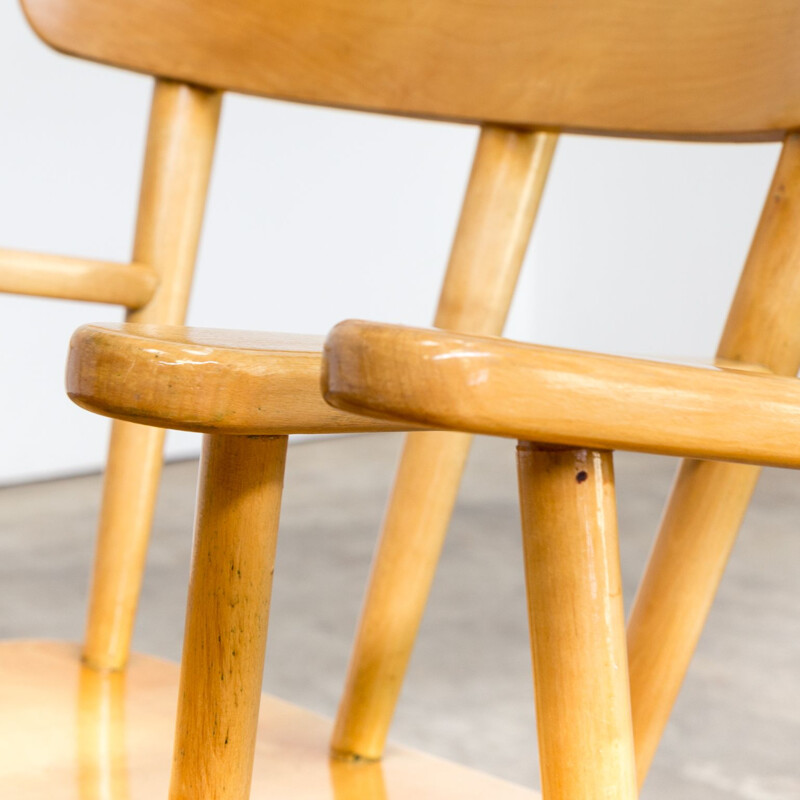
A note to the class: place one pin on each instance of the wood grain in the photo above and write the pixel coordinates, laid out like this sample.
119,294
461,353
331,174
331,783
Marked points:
503,388
233,559
211,381
701,68
577,623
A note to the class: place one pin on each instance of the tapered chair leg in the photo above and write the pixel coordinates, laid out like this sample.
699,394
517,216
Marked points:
505,188
233,557
706,508
413,534
183,121
577,624
133,472
709,500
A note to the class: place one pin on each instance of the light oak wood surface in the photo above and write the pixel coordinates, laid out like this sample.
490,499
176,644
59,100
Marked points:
506,184
130,285
502,388
761,326
181,139
709,500
180,148
211,381
227,615
72,733
502,198
697,532
700,68
577,623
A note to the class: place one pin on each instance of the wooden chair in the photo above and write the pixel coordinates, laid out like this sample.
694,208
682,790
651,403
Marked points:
683,70
247,393
569,410
198,50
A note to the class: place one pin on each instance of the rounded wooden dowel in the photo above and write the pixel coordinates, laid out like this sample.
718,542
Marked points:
45,275
233,558
402,572
709,500
177,169
506,185
577,624
130,488
697,533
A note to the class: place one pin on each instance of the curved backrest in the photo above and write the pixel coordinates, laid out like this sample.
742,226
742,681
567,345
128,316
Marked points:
721,69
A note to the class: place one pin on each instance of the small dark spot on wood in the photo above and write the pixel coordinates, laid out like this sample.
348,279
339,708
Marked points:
581,476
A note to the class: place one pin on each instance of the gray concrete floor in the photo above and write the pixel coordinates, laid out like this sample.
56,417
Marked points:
735,732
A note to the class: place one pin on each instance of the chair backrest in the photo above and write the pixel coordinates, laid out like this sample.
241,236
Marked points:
717,69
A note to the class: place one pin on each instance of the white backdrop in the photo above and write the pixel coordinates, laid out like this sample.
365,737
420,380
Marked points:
317,215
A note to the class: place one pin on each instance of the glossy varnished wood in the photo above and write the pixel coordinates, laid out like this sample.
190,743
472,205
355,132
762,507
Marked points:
689,67
72,733
211,381
580,667
709,500
761,326
503,388
505,187
180,148
181,139
227,615
697,532
130,285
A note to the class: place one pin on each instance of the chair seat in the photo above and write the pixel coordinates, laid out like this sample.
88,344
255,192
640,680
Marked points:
499,387
70,733
211,381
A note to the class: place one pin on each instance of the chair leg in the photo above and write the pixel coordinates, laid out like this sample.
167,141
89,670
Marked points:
402,572
133,471
178,158
233,557
704,513
709,500
577,623
506,185
353,780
